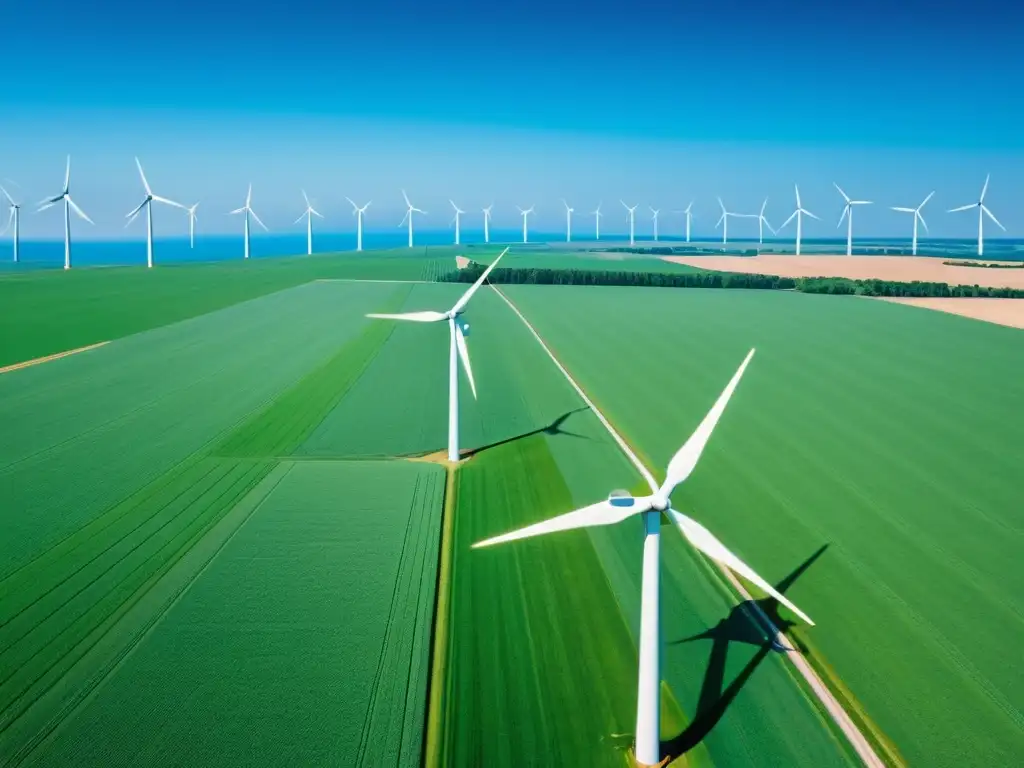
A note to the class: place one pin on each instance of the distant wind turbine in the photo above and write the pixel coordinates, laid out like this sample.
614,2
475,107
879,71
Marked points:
458,329
192,225
524,214
597,221
248,211
762,222
848,215
309,213
568,221
13,219
69,205
358,213
487,222
917,215
982,212
798,214
621,506
724,220
147,203
655,212
409,211
631,212
458,213
688,213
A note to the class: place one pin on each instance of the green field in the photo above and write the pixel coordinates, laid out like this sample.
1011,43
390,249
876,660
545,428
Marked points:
555,258
889,434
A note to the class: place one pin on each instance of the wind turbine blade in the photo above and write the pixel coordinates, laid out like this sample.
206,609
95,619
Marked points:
921,218
135,212
905,210
808,213
847,199
406,199
763,206
770,229
46,204
82,215
797,190
237,210
258,220
720,220
299,219
846,210
722,206
925,202
354,206
460,344
67,176
989,214
315,212
984,189
791,217
248,197
7,195
962,208
10,220
602,513
306,198
706,542
142,175
685,460
472,289
129,222
405,218
165,201
428,316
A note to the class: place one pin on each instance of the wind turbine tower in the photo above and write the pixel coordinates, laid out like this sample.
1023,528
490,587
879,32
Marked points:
848,215
308,213
409,211
632,211
192,225
524,214
762,222
487,222
982,212
688,213
568,221
619,507
458,213
69,205
358,213
798,214
13,219
147,203
597,221
248,211
917,216
655,212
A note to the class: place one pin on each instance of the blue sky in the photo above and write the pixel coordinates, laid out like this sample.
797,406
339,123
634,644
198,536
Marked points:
657,102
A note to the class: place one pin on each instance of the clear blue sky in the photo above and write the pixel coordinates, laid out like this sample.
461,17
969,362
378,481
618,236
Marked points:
655,101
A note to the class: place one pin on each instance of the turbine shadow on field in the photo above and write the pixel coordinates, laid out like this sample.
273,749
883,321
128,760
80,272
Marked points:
552,429
744,624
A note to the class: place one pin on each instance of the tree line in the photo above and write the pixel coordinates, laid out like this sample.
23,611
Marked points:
983,264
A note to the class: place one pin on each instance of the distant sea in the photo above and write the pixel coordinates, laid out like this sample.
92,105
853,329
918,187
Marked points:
37,254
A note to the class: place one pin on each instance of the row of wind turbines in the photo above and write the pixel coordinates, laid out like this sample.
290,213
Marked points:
618,507
14,219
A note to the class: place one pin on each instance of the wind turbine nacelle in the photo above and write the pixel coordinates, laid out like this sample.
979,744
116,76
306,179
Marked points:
620,498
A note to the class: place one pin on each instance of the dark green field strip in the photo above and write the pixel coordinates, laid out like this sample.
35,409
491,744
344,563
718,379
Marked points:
47,311
887,434
319,657
604,262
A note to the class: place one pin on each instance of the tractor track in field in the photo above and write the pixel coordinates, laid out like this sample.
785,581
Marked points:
48,358
860,743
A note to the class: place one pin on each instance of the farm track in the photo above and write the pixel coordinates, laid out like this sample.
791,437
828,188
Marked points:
842,720
48,358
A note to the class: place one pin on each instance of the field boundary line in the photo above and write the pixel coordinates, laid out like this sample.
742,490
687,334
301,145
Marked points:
840,716
368,280
48,358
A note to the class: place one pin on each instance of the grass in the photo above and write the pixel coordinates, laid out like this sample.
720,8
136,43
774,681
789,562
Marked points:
889,435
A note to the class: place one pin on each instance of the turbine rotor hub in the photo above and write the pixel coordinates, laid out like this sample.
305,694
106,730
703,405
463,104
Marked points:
659,503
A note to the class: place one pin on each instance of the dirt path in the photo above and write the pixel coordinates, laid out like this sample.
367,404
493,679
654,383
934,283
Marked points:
839,716
1008,312
48,358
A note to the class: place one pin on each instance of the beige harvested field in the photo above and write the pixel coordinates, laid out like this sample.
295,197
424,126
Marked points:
1008,312
897,268
461,262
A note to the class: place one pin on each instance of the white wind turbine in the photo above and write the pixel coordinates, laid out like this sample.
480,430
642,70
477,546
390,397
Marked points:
147,203
848,215
798,214
309,213
655,212
917,215
724,220
524,214
409,210
458,213
688,212
631,216
192,225
69,205
982,212
15,219
597,221
762,222
248,211
358,213
619,507
458,329
487,222
568,221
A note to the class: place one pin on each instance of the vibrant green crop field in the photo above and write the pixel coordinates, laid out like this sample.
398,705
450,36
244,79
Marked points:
888,434
305,642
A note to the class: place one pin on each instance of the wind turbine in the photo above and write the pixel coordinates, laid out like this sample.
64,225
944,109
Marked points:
358,213
69,205
192,225
848,215
458,328
248,211
619,507
631,211
687,211
724,221
597,221
487,222
568,221
525,213
762,222
147,203
980,205
655,211
410,209
917,215
15,219
458,213
798,214
308,214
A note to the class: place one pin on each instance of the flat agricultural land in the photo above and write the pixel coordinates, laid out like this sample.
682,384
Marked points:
1009,312
898,268
880,443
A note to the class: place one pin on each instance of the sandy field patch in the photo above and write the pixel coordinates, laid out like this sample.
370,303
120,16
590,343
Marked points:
1009,312
461,262
898,268
48,358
